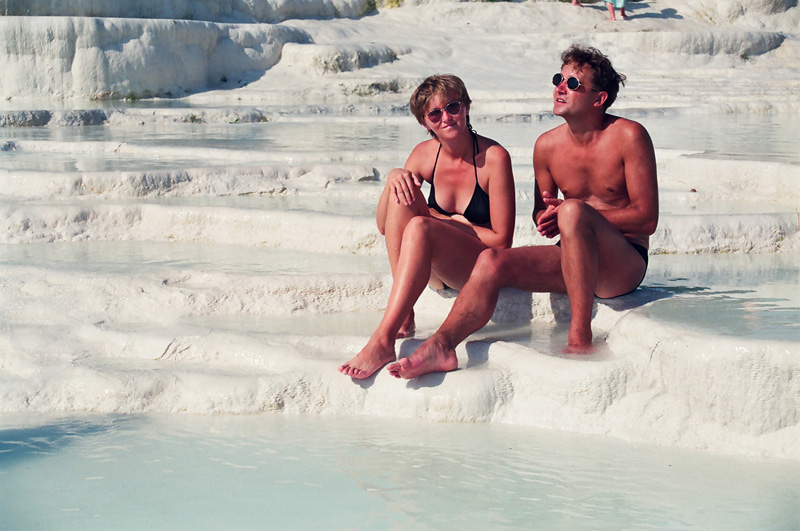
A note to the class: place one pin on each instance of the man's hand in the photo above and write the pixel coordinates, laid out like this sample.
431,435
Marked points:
548,221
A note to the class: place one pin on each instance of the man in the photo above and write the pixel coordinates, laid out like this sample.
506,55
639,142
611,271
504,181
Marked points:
605,168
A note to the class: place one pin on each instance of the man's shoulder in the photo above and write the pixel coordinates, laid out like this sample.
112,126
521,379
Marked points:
551,136
624,126
630,136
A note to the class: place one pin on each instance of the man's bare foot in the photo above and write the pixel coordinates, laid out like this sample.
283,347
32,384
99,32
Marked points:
408,327
578,349
576,3
371,358
579,342
431,356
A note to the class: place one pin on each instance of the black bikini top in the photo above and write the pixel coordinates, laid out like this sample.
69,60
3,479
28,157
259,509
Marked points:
477,212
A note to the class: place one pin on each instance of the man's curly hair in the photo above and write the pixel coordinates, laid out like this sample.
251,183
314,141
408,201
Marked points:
604,77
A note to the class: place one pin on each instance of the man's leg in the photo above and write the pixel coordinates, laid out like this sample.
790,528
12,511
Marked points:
426,242
526,268
596,259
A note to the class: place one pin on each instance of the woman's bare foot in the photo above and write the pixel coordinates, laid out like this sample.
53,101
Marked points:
431,356
371,358
576,3
408,327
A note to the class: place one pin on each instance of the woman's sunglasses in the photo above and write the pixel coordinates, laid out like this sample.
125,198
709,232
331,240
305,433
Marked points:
572,82
452,108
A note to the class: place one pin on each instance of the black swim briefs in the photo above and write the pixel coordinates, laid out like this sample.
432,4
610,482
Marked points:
643,253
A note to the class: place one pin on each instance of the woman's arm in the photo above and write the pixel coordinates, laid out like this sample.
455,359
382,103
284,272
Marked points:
402,184
502,201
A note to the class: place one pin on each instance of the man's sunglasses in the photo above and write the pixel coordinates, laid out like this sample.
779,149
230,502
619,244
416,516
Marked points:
572,82
452,108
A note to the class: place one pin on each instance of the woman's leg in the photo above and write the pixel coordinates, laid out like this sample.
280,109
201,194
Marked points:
426,242
393,225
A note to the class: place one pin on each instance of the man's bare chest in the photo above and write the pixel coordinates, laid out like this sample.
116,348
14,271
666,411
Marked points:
602,178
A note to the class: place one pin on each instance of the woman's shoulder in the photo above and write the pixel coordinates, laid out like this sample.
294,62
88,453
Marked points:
425,148
422,157
430,143
494,150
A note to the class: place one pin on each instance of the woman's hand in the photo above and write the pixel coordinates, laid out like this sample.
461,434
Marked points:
548,221
403,185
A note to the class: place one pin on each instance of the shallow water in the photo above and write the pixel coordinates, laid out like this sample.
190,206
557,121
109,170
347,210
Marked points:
182,145
734,136
737,295
256,472
129,256
756,136
321,138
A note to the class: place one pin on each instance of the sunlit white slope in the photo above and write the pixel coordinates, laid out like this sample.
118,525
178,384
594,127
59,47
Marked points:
311,57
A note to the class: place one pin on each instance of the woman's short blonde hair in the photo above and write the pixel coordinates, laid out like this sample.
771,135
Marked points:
445,85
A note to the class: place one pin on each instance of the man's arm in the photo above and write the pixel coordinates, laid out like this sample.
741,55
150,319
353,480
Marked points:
640,216
544,186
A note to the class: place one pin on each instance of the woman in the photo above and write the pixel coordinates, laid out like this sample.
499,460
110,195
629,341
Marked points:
470,208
